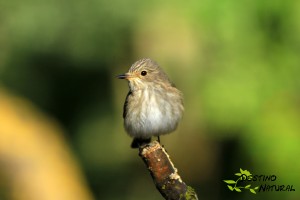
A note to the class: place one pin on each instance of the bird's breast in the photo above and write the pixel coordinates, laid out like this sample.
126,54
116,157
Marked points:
153,112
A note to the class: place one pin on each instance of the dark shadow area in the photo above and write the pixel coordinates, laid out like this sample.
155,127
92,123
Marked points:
233,157
62,88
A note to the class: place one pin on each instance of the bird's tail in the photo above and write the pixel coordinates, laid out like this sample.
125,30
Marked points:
137,142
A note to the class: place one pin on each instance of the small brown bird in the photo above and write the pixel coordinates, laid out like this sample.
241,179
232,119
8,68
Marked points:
153,105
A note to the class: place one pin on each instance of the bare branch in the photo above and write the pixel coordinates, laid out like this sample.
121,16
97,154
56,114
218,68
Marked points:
164,174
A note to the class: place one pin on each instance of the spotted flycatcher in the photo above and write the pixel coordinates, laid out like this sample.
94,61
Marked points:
153,105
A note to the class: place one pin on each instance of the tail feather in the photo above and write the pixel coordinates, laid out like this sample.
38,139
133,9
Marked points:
137,142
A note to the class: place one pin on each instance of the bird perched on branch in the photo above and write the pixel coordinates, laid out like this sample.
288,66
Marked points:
153,105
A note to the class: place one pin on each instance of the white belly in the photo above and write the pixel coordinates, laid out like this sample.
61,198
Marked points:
152,116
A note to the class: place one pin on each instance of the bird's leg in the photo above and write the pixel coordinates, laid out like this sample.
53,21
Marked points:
158,139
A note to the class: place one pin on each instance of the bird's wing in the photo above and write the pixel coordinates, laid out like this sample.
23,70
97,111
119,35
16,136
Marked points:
126,104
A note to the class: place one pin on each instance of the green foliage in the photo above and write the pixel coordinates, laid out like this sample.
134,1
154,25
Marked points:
237,63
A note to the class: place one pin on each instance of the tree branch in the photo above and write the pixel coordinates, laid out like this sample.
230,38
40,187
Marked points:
164,174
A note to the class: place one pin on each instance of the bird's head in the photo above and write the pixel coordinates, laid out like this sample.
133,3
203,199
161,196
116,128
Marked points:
145,73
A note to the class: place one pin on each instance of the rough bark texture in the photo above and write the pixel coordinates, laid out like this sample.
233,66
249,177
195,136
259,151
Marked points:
164,174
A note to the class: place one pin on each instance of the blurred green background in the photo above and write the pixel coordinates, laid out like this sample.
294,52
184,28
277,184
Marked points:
236,62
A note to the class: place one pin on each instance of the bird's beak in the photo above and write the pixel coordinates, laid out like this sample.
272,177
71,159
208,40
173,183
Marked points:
122,76
125,76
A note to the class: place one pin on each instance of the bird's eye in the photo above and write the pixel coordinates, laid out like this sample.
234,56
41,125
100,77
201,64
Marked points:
143,73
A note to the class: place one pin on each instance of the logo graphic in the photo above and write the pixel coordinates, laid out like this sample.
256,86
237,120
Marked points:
243,176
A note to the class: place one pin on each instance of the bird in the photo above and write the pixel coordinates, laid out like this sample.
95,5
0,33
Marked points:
153,105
